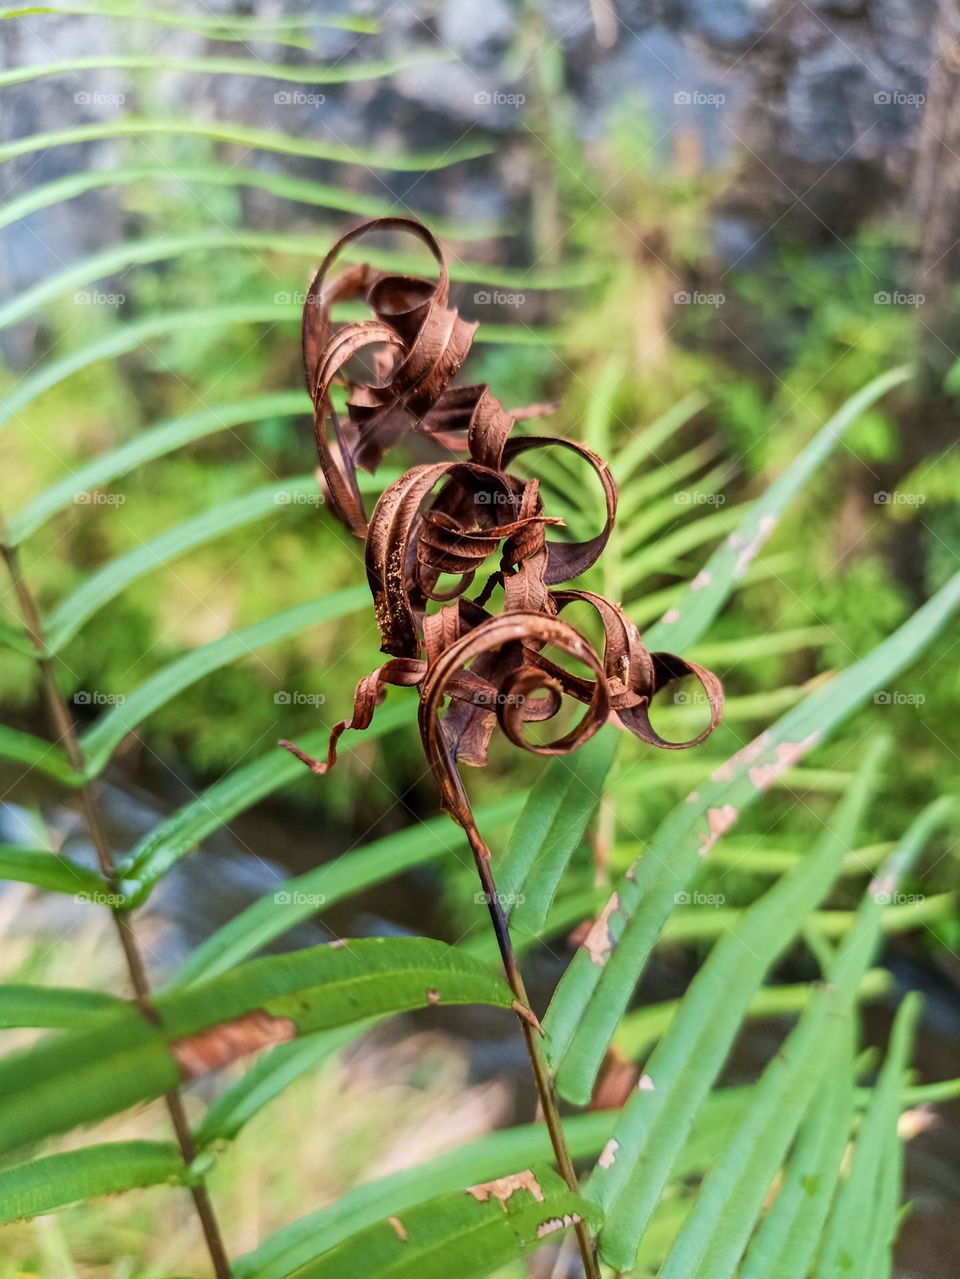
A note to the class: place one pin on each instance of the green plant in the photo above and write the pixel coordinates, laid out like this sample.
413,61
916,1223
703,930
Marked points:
682,1171
313,999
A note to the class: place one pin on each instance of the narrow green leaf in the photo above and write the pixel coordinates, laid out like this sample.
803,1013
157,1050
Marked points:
35,753
715,1234
43,1185
649,607
100,741
667,476
299,898
652,438
599,412
768,860
550,830
341,72
704,925
709,591
145,447
479,1160
180,833
200,177
121,1058
683,539
640,1029
714,1237
266,1079
48,870
458,1234
789,1234
595,990
16,637
138,252
51,1007
852,1232
240,135
683,1067
647,525
111,580
128,337
238,27
751,648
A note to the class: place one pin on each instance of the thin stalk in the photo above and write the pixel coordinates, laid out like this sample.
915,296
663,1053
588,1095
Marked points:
532,1031
66,734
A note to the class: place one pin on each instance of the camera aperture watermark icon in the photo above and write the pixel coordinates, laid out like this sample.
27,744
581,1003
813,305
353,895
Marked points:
686,297
94,697
498,98
896,697
297,697
697,98
298,98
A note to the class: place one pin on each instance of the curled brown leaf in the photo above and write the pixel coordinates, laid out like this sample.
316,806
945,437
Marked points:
451,519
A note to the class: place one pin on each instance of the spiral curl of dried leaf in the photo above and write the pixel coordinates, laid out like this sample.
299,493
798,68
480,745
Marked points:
453,517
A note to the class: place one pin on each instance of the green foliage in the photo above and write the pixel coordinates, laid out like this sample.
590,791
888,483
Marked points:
178,518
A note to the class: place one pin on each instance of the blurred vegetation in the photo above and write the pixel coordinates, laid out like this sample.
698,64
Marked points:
785,337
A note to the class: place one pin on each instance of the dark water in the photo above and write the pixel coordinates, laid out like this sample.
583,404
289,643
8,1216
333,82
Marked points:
261,848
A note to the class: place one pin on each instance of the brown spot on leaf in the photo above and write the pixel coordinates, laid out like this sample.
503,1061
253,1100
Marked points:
505,1187
719,820
748,548
608,1155
554,1224
433,995
598,941
399,1227
748,754
788,754
215,1048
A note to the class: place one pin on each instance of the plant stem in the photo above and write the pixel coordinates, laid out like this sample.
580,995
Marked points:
66,734
531,1033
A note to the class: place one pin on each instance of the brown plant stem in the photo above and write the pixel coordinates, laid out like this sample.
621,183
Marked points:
532,1031
66,734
